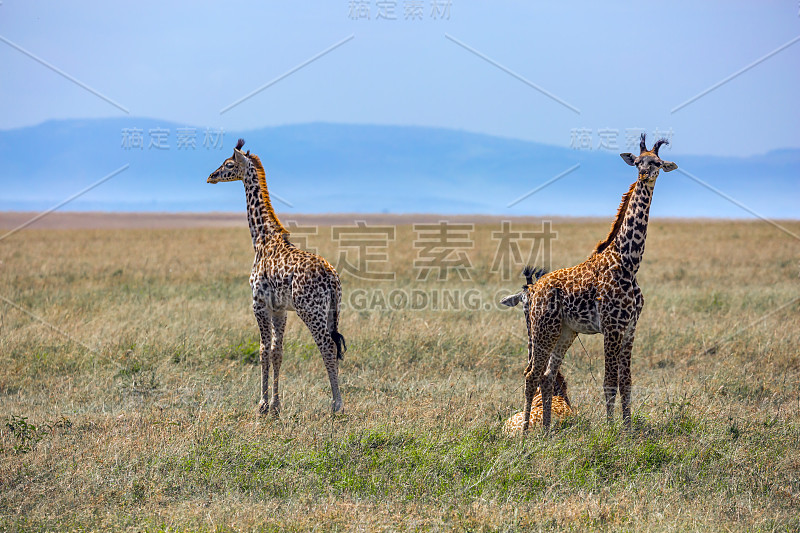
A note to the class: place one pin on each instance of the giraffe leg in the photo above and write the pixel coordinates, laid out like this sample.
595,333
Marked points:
317,322
624,379
531,380
264,319
278,327
565,340
612,345
545,332
560,387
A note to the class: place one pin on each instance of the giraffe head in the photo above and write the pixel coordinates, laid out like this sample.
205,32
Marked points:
648,163
233,168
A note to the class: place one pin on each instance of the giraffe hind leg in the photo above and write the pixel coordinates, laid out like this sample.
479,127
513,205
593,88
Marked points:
553,371
612,345
545,332
317,322
624,379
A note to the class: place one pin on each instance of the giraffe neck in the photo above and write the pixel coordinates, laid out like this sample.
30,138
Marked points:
261,218
629,241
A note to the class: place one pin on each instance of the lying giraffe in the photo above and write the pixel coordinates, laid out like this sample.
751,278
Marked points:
284,278
600,295
561,408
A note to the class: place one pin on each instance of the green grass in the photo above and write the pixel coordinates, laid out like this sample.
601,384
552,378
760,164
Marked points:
139,412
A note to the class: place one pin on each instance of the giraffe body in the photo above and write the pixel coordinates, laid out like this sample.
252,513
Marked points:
284,278
600,295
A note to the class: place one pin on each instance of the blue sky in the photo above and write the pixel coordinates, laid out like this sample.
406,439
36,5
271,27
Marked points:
623,65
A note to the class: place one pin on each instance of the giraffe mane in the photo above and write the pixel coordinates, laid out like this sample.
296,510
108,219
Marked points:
262,185
623,207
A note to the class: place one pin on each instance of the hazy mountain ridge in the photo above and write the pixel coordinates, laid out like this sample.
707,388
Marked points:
365,168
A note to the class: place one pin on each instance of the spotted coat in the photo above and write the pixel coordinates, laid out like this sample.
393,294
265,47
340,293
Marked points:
284,278
600,295
561,408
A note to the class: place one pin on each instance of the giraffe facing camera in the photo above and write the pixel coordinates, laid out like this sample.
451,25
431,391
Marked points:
600,295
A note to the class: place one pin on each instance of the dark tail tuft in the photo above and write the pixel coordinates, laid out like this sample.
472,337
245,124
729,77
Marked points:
341,346
532,274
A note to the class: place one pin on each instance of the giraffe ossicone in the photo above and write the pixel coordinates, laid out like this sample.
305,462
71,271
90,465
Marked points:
600,295
284,278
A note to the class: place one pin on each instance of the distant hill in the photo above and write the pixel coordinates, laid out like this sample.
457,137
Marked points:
322,168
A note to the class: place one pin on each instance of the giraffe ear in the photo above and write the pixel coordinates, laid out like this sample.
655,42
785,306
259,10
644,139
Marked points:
512,300
668,166
628,158
239,157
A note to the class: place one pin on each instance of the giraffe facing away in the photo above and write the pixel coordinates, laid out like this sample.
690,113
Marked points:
600,295
284,278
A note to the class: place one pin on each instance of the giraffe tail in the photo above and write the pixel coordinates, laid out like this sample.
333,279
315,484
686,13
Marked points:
338,338
341,346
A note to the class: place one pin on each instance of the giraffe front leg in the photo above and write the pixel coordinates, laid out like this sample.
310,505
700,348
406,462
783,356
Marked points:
612,345
278,328
265,356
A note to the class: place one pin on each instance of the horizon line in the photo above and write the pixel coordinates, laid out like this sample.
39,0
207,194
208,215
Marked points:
379,125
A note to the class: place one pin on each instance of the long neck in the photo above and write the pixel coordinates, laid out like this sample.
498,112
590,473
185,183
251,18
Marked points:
629,241
261,217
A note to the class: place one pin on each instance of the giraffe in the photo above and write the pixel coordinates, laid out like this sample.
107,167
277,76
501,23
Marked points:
600,295
561,408
284,278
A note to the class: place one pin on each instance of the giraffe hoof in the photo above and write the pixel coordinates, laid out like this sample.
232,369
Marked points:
338,408
263,407
275,408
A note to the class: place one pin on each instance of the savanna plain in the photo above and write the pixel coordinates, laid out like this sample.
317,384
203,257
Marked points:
129,386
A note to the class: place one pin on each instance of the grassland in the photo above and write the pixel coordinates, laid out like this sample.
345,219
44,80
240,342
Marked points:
129,401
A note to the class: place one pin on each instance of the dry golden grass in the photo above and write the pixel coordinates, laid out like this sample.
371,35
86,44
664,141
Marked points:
143,417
